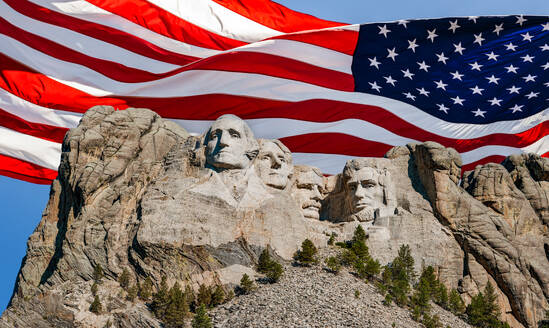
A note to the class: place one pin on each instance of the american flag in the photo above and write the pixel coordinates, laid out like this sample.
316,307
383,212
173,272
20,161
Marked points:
329,91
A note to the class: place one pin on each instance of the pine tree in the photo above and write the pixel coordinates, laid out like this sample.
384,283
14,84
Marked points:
306,256
201,319
94,288
189,297
272,269
264,262
161,300
441,297
98,273
218,296
124,279
96,306
332,239
246,285
145,289
455,303
177,308
275,272
333,264
132,293
483,311
204,295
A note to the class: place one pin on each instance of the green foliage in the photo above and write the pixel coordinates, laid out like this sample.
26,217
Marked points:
544,323
124,279
484,311
398,275
359,235
204,296
455,303
94,288
145,289
96,306
306,256
333,264
177,308
426,290
431,321
272,269
132,293
332,239
189,297
230,296
246,284
357,255
201,319
357,293
441,296
218,296
161,299
98,273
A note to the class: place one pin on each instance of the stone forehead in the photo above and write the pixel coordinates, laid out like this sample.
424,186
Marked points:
264,143
229,118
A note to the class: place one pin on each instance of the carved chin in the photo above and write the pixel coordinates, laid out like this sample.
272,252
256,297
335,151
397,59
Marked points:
365,214
228,161
277,181
311,212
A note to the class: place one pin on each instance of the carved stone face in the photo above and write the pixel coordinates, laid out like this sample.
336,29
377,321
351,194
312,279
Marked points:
227,143
308,193
273,165
364,193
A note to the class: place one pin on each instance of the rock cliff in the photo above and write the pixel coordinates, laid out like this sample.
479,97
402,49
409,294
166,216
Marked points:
137,192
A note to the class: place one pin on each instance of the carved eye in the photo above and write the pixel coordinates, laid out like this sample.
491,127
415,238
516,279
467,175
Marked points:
282,159
234,133
367,184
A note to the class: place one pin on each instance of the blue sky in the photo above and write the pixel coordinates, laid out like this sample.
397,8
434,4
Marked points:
22,203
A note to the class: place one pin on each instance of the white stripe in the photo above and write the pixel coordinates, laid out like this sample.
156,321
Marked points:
308,53
198,82
334,163
84,44
91,13
37,114
217,19
31,149
276,128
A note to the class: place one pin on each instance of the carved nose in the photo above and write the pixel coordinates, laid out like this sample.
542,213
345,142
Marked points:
223,139
359,192
317,195
276,163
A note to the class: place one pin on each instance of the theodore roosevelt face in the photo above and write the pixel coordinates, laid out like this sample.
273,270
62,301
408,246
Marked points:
308,192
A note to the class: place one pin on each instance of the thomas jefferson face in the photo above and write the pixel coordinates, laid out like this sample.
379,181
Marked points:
308,193
365,194
227,144
273,165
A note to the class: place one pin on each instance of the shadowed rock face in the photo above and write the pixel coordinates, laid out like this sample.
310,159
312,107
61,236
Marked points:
137,192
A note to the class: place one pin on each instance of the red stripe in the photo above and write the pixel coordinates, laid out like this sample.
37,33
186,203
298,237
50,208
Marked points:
335,143
276,16
43,91
19,169
100,32
343,41
44,131
165,23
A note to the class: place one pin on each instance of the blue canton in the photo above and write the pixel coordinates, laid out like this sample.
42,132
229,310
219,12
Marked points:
462,70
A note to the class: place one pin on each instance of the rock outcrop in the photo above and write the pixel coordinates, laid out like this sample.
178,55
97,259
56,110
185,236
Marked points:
136,192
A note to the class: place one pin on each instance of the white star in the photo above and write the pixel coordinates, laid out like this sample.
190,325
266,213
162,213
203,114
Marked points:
443,108
545,46
498,28
493,56
546,84
424,92
529,78
520,20
423,66
441,85
454,26
479,39
510,46
546,66
478,112
456,75
495,101
545,27
476,66
407,74
477,90
511,68
527,58
459,48
432,35
375,86
527,37
458,100
493,79
516,108
442,58
412,45
389,80
532,95
392,53
473,18
409,95
374,62
403,22
513,89
384,30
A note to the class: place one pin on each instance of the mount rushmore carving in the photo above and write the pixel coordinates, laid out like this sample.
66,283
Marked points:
138,192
